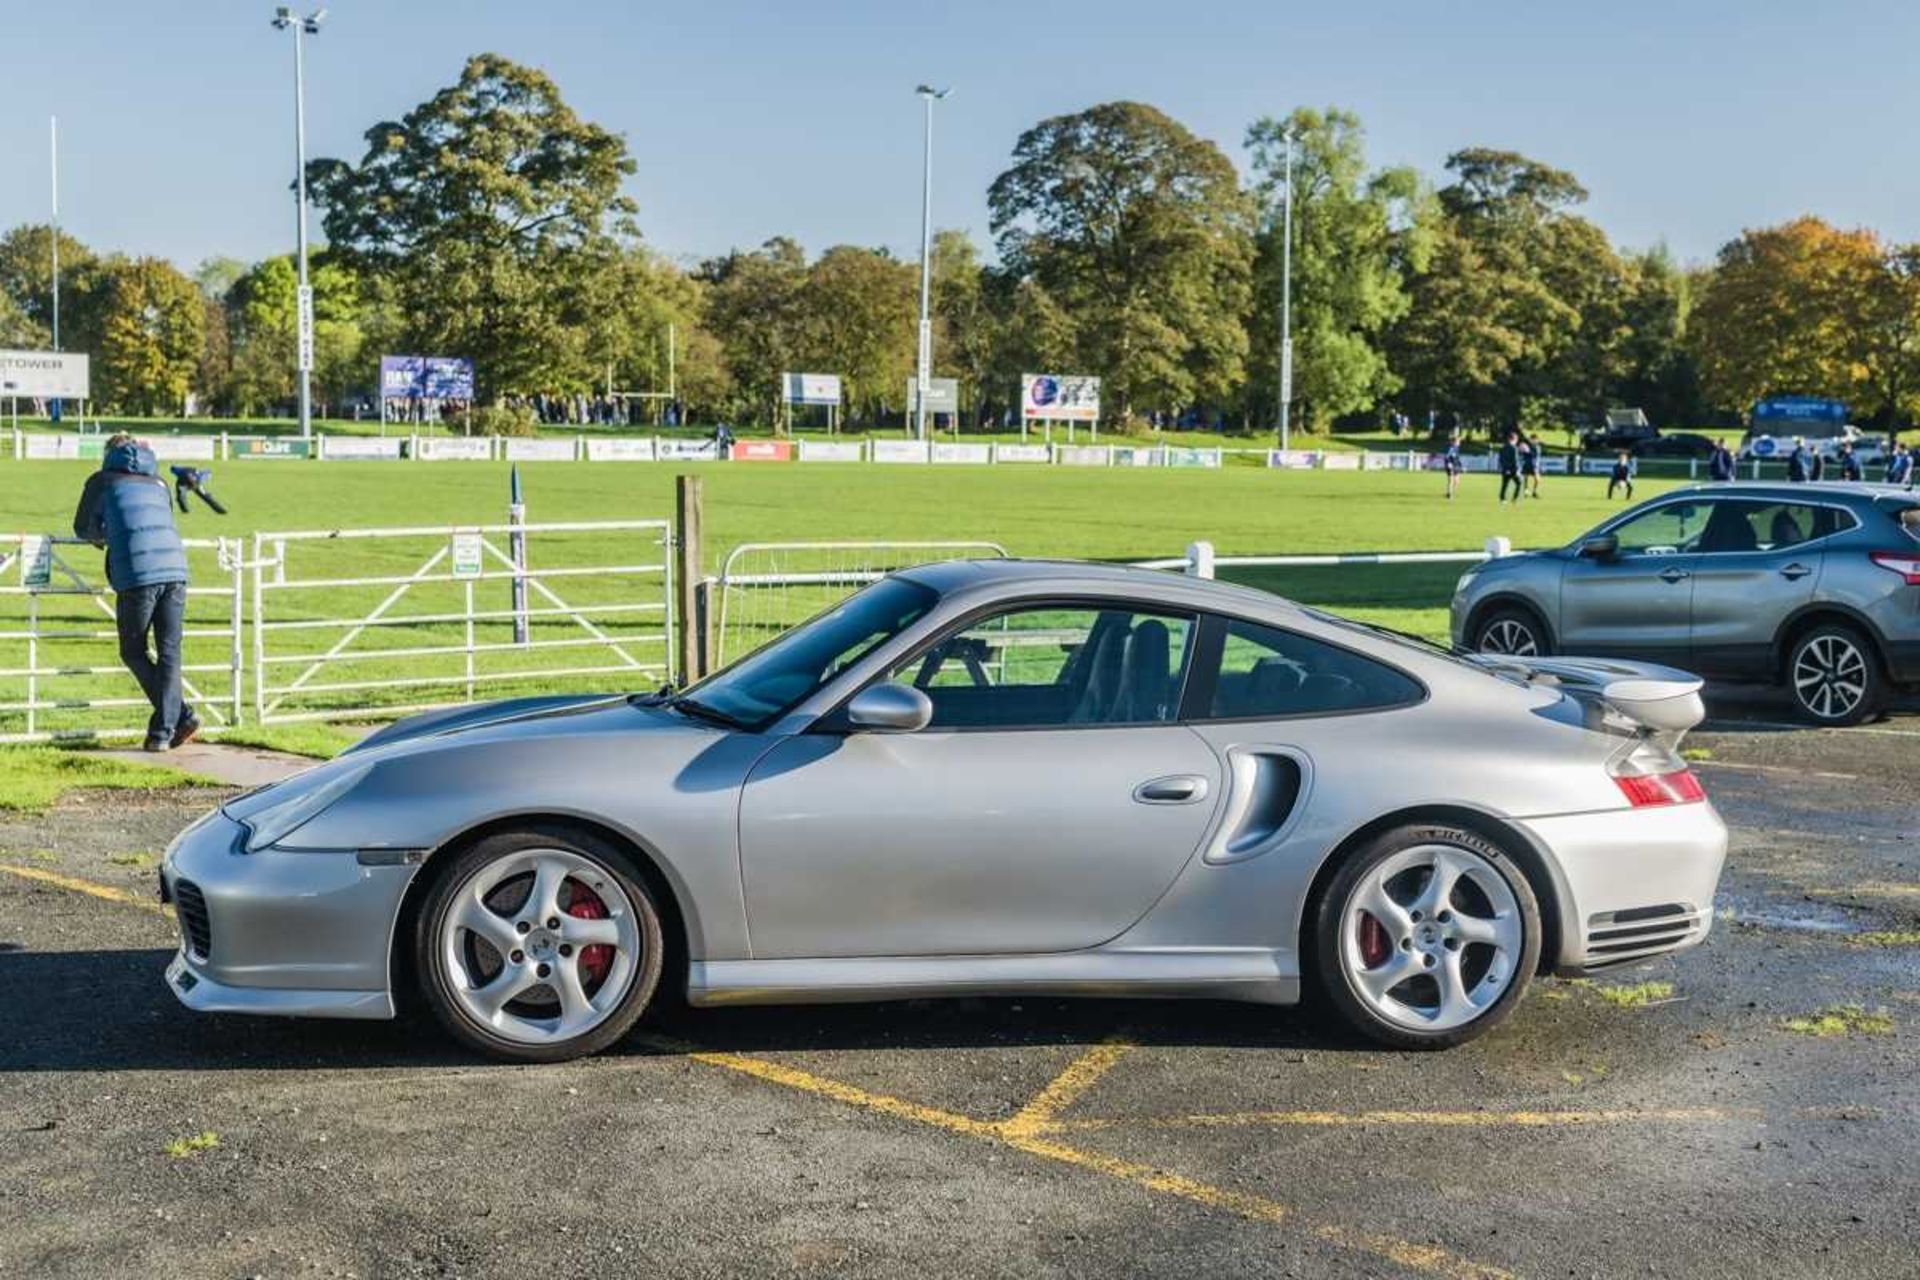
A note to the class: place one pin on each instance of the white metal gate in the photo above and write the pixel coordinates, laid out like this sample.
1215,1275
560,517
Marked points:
379,622
61,677
767,587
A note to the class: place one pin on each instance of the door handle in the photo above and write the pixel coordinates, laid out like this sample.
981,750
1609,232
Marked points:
1181,788
1795,570
1674,575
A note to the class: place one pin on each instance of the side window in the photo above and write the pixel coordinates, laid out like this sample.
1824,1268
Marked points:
1265,671
1047,665
1768,526
1665,530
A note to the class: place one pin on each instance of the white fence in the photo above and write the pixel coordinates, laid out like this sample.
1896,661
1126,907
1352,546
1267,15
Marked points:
366,620
60,672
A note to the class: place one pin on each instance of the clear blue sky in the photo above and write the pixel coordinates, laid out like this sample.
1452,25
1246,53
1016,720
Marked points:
1687,119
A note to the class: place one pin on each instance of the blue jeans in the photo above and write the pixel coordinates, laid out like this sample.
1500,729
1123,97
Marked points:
156,611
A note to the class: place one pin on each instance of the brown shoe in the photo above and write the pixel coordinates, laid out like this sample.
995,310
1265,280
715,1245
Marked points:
189,729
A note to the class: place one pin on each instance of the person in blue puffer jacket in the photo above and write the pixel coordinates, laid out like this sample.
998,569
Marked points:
127,508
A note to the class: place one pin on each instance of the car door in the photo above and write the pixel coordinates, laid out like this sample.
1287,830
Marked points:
1050,801
1638,601
1758,561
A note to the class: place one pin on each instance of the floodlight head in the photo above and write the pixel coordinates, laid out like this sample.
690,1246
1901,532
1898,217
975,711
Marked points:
314,20
282,18
928,91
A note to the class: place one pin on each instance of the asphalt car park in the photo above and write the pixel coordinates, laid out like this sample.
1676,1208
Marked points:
1747,1107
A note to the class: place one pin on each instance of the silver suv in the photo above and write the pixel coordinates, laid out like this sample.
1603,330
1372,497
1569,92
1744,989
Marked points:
1812,586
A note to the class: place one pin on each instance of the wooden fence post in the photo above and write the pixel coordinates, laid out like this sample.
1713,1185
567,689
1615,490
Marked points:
691,625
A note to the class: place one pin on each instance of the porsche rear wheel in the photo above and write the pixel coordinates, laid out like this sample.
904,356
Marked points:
1426,937
538,945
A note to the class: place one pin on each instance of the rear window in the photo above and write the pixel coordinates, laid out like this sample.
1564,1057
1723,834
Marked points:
1268,672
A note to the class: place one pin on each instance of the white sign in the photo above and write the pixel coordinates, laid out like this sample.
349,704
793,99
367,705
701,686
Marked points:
830,451
1291,457
184,448
686,450
36,562
1286,372
453,448
620,450
1339,462
1083,455
943,395
468,553
62,446
303,300
359,447
925,367
1051,397
1131,457
1022,453
965,453
811,388
45,375
525,450
900,451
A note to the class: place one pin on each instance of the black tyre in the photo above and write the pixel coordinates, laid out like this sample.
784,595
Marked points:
1514,630
1834,676
538,945
1426,937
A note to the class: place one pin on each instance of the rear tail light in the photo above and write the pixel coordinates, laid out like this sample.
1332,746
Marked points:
1904,563
1645,790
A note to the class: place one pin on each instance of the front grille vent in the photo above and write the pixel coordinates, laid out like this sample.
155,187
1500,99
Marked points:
196,927
1615,937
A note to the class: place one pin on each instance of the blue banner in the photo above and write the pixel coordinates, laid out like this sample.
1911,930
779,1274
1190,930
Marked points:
426,378
1799,409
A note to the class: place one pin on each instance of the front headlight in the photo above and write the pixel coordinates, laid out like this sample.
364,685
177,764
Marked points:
276,817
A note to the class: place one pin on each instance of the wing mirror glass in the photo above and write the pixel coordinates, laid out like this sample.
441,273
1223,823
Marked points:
1604,547
890,708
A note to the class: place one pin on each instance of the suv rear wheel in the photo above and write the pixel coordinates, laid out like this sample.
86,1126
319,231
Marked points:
1511,629
1834,676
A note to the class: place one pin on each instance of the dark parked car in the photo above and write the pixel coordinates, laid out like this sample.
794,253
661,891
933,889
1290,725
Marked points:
1616,436
1812,587
1681,444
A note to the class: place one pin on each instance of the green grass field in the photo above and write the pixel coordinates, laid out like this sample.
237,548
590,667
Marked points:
1102,514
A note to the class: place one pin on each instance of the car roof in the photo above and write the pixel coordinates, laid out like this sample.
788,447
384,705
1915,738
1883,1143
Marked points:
951,576
1863,490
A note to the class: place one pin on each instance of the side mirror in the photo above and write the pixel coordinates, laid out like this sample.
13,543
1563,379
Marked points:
1604,547
890,708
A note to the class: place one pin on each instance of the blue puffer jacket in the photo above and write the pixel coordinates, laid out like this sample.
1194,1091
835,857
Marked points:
127,508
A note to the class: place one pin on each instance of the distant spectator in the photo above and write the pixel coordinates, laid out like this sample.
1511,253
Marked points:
1799,462
1510,466
1531,464
1720,462
1900,465
1850,468
1622,475
1819,466
1450,463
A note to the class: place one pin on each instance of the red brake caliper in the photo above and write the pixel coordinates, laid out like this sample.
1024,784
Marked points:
1373,941
596,959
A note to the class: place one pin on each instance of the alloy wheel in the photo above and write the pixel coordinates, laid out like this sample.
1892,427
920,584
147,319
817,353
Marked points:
1511,636
541,946
1830,676
1431,937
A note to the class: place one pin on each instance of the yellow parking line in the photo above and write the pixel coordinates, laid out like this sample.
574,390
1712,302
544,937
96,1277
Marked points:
1081,1075
1437,1119
88,887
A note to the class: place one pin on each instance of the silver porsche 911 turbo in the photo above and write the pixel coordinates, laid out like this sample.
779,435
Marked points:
979,777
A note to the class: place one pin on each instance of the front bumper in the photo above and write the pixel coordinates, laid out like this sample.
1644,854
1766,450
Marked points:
1633,883
296,934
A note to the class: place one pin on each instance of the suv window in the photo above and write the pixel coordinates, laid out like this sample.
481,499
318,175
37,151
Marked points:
1666,530
1769,526
1054,665
1265,671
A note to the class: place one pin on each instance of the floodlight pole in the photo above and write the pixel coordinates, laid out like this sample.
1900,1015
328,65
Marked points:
1286,295
53,240
923,375
303,296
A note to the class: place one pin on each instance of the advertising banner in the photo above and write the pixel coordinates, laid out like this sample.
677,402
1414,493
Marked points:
1296,458
943,395
762,450
1339,462
1083,455
672,450
811,388
1053,397
831,451
536,450
620,450
979,454
900,451
1022,453
467,553
268,447
1186,457
453,448
1133,456
184,448
360,447
45,375
63,446
426,378
1785,409
36,561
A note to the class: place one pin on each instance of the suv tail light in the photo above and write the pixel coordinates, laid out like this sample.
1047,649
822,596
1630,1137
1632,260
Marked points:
1904,563
1644,790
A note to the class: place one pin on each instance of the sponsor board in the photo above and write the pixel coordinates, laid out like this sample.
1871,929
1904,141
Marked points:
1295,458
63,446
943,395
45,375
1022,453
268,447
620,450
1555,465
1180,456
811,388
963,453
536,450
1129,456
1083,455
184,448
1340,462
831,451
762,450
467,553
900,451
360,447
1053,397
36,561
426,378
453,448
671,450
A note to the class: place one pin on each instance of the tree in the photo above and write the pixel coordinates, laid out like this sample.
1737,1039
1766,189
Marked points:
861,314
754,307
1358,236
150,333
1140,232
26,276
489,214
966,325
264,330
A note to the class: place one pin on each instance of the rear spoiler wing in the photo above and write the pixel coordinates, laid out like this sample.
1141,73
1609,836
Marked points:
1659,700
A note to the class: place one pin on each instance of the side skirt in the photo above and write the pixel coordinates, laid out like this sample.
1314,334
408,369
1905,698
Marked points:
1249,974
